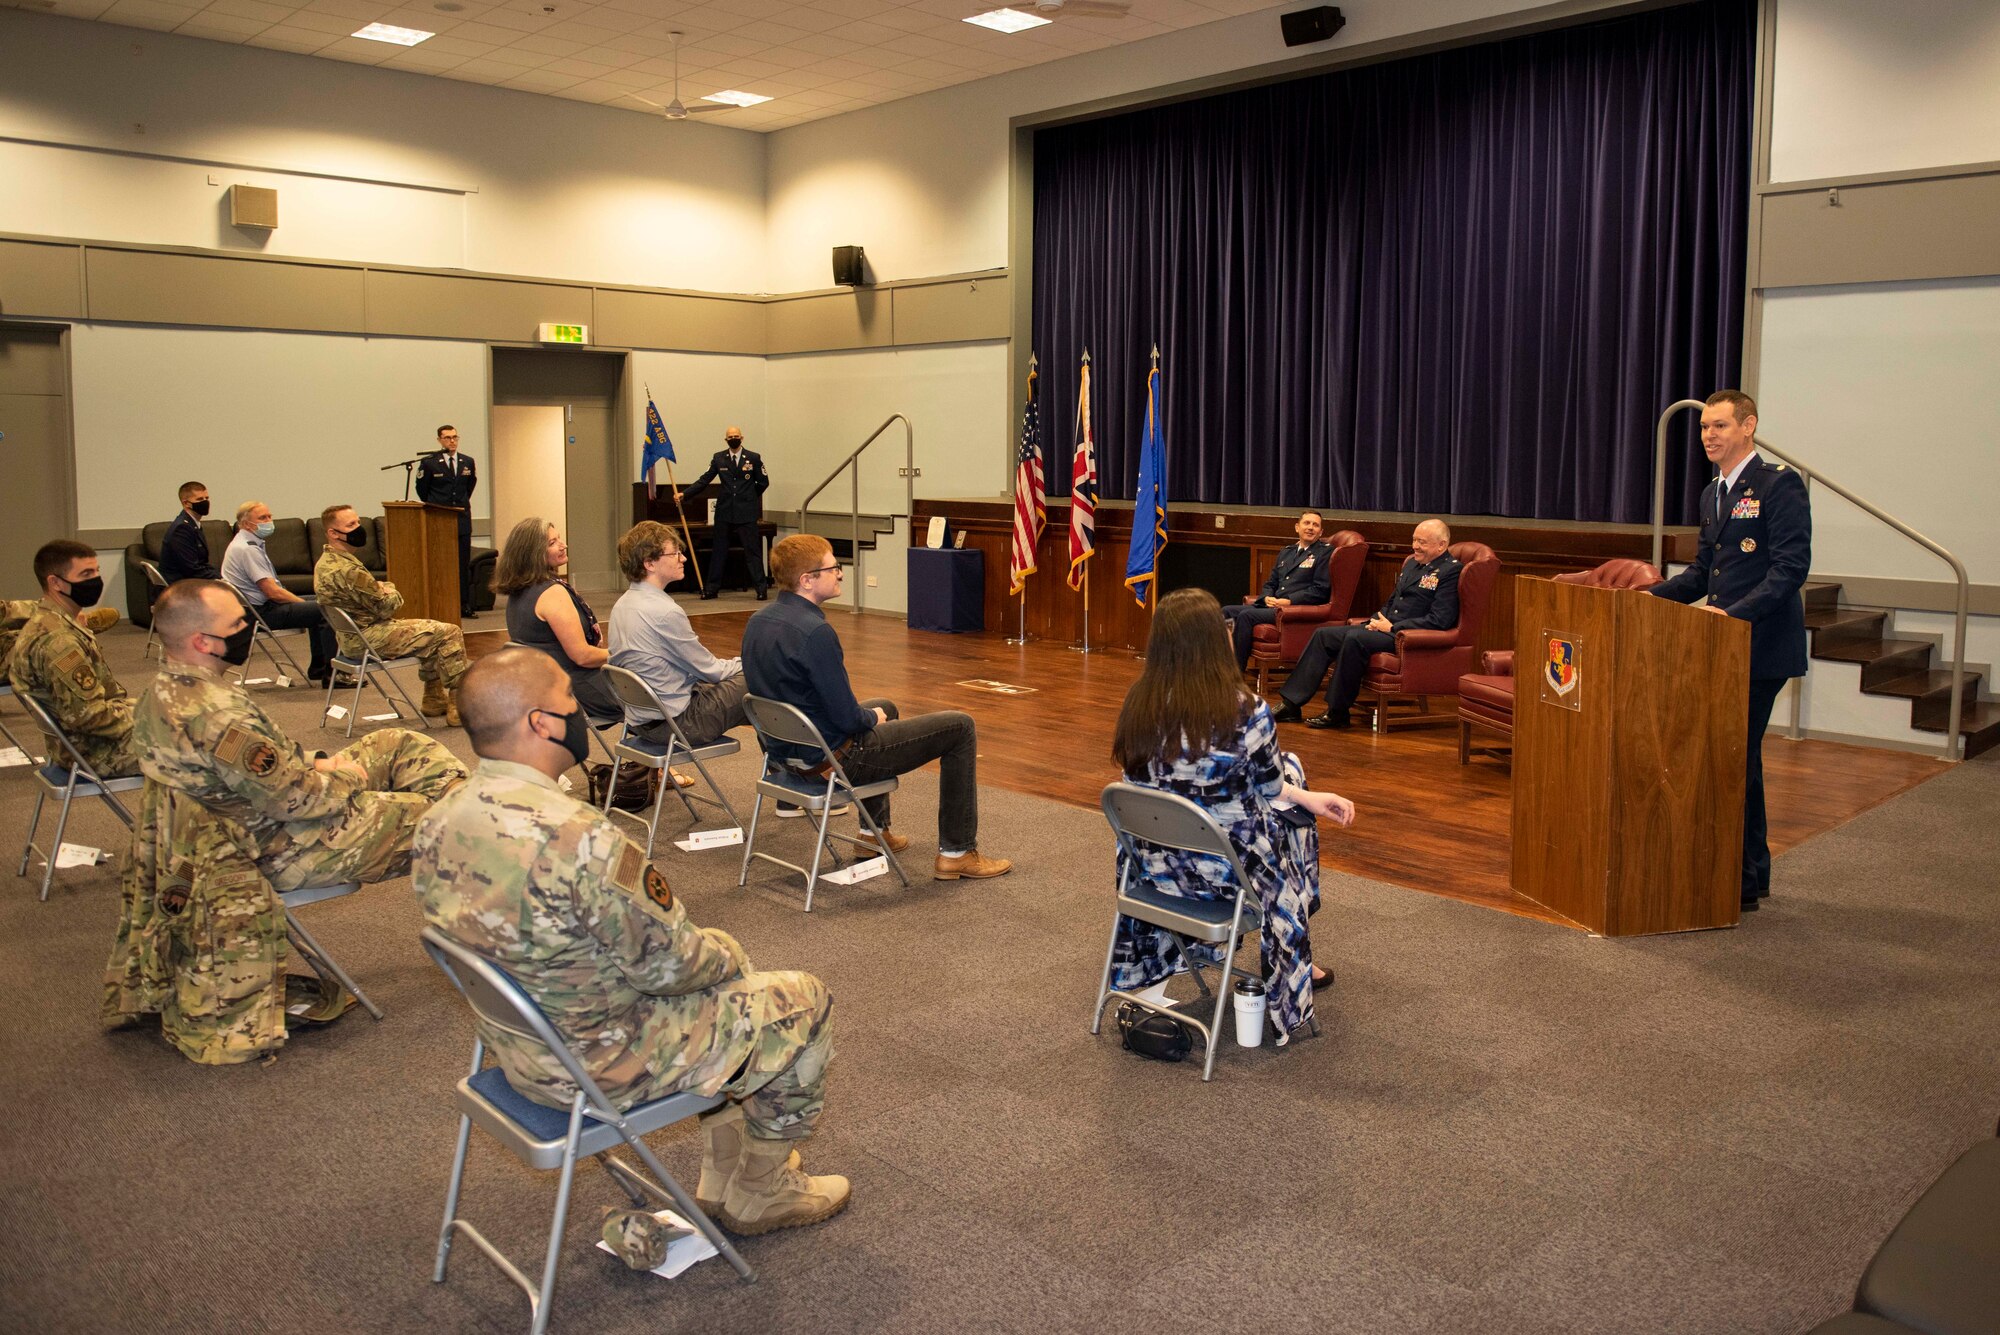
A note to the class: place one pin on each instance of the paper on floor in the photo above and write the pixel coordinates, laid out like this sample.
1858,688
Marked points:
700,839
14,755
681,1252
860,871
79,855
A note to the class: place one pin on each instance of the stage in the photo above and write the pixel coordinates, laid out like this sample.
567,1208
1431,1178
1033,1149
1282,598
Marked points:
1423,820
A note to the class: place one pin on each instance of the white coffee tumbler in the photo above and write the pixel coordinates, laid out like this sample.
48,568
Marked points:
1249,1012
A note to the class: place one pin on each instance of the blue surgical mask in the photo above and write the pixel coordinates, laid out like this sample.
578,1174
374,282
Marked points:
266,529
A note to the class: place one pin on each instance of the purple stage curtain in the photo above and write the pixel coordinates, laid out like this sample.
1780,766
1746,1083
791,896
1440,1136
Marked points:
1460,283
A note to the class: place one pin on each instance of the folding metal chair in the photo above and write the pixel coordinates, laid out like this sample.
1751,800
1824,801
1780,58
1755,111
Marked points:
544,1137
7,693
272,642
159,586
776,721
315,954
64,772
1140,815
363,669
634,693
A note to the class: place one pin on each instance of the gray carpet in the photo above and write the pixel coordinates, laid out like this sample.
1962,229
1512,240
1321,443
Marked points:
1505,1127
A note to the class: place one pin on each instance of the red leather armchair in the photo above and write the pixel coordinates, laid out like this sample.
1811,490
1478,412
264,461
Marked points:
1430,662
1276,648
1486,697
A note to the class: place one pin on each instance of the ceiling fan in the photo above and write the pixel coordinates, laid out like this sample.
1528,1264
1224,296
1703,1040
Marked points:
1083,9
677,110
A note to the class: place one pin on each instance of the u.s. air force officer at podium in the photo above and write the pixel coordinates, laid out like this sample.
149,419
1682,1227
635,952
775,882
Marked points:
1299,576
1755,550
447,477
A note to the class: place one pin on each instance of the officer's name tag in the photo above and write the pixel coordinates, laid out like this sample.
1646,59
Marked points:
860,871
1747,508
700,839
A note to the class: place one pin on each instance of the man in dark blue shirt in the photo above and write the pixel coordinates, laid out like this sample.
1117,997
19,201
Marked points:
183,551
1425,598
791,654
1754,552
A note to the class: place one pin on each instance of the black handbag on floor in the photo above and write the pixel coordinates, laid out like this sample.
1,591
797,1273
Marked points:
1153,1035
638,785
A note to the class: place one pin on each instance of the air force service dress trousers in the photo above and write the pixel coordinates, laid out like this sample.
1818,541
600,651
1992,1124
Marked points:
449,477
1425,598
1754,552
1302,574
740,481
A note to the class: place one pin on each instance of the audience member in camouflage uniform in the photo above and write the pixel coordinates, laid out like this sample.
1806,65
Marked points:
14,614
58,662
306,821
340,580
550,891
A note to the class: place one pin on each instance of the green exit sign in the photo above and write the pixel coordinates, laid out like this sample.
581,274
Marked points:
565,333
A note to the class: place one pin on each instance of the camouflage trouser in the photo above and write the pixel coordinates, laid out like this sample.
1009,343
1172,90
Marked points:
370,841
438,648
782,1082
108,757
227,999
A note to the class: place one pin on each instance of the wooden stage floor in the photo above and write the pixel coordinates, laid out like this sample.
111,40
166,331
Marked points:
1423,820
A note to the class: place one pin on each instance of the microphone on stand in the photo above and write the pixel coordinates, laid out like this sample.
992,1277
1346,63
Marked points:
409,467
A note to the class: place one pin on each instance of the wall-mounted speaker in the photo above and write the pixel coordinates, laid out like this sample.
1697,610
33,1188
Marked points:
850,267
253,206
1305,26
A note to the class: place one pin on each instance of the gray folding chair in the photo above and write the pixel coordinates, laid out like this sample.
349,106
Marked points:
159,585
543,1137
315,954
1140,815
776,721
7,693
272,642
634,693
363,669
64,773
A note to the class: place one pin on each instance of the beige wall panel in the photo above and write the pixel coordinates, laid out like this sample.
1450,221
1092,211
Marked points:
1882,232
857,319
140,288
667,320
32,362
445,306
40,280
971,310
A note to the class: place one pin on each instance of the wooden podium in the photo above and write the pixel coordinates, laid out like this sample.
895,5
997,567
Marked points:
420,546
1629,727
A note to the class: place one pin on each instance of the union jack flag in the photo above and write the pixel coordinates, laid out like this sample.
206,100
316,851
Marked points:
1082,486
1030,491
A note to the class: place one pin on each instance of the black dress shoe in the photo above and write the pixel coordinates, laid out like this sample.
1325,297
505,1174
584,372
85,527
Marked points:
1749,906
1288,713
764,593
1324,980
710,594
1330,720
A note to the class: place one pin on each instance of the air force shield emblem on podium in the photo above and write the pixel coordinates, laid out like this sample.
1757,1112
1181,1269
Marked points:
1562,670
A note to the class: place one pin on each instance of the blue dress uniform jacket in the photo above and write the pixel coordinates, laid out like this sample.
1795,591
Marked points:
184,552
439,484
1301,575
1755,550
741,482
1425,596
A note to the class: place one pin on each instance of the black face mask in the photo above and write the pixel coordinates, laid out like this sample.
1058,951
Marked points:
86,592
576,732
236,648
356,536
200,508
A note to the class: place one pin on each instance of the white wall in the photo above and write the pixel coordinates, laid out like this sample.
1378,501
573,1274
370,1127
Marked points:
1862,86
298,421
561,189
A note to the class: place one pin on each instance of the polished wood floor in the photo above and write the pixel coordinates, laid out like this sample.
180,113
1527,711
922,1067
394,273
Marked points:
1424,821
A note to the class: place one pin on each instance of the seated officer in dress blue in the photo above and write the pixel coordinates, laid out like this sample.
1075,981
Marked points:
183,550
1300,575
1755,550
1425,598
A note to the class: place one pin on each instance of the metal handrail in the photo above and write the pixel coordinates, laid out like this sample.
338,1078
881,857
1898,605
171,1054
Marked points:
1952,720
910,475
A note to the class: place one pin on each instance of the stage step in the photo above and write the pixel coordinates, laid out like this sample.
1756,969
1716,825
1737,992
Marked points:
1903,669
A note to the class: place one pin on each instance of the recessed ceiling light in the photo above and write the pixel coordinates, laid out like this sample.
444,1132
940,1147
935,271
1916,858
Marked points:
448,6
1007,20
736,99
383,32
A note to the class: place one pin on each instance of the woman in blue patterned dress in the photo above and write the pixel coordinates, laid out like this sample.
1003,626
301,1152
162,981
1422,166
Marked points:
1190,726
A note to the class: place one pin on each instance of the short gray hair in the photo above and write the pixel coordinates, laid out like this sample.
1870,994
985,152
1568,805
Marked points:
243,511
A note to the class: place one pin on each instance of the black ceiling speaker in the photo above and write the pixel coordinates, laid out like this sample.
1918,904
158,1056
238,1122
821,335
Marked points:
850,266
1304,26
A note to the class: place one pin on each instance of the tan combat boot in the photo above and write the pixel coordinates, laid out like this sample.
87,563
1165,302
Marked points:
768,1194
435,701
451,708
721,1149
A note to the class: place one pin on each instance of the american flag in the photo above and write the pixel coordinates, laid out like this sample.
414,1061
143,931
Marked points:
1030,492
1082,486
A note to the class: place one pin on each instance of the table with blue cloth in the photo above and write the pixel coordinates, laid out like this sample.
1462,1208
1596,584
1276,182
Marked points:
947,588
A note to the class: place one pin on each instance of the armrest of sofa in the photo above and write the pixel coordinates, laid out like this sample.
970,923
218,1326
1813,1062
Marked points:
1497,662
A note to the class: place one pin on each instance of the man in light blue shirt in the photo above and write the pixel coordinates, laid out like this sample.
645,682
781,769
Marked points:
246,568
651,637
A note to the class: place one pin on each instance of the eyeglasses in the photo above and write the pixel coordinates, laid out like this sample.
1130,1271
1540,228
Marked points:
821,570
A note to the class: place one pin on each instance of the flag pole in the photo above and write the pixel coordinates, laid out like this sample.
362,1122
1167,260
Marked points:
680,512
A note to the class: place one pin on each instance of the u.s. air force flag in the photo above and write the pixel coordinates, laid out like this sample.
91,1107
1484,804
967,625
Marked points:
1149,502
658,447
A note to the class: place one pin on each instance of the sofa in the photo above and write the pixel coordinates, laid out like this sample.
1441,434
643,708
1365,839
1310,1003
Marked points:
294,548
